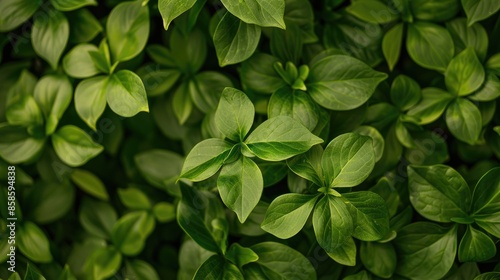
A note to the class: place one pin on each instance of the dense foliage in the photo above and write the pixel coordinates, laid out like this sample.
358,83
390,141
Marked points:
249,139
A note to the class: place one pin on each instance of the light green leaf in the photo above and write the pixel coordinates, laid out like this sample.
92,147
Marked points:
33,242
78,63
429,45
332,223
20,105
127,29
170,9
425,250
369,214
50,35
235,40
182,103
103,263
476,246
134,199
164,212
15,12
240,186
403,135
348,160
73,146
53,93
377,139
432,105
477,10
489,90
280,138
70,5
486,202
288,214
90,99
295,104
126,94
341,82
391,45
218,268
405,92
464,74
345,254
138,269
16,145
234,114
131,231
438,192
205,159
241,256
463,119
372,11
268,13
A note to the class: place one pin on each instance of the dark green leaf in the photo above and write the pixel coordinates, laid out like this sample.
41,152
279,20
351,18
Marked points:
464,120
97,218
372,11
33,242
434,10
464,36
405,92
19,12
379,258
476,246
131,231
477,10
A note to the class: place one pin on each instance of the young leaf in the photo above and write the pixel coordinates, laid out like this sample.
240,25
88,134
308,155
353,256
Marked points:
391,45
182,104
266,13
341,82
241,256
348,160
432,105
295,104
332,223
234,40
405,92
90,99
170,9
476,246
49,36
126,94
127,29
19,12
429,45
280,138
73,146
78,63
425,250
438,192
240,186
164,212
464,120
477,10
234,115
288,214
53,94
205,159
369,214
464,74
33,242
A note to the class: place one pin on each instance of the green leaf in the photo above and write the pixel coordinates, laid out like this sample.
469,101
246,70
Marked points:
379,258
49,201
53,93
430,148
131,231
278,261
126,94
301,13
33,242
97,218
464,74
73,146
345,254
31,274
83,26
164,212
432,105
258,73
218,268
280,138
377,139
438,192
20,105
405,92
348,160
90,99
477,10
234,40
188,51
489,90
369,214
234,114
205,89
372,11
89,183
49,36
486,202
151,165
241,256
341,82
287,44
134,199
157,80
474,36
127,29
295,104
403,135
15,12
171,9
332,223
476,246
463,119
240,186
16,146
308,165
391,45
103,263
138,269
429,45
205,159
183,106
70,5
268,13
434,10
425,250
288,214
78,63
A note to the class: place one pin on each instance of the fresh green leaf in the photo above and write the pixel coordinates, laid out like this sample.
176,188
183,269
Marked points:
83,26
295,104
478,10
138,269
405,92
171,9
464,120
258,73
308,165
151,165
134,199
126,94
205,89
164,212
69,5
89,183
372,11
241,256
474,36
434,10
50,35
189,51
489,90
73,146
90,99
78,62
345,254
218,268
16,146
432,105
18,12
486,202
268,13
391,45
234,115
377,139
103,263
464,74
33,242
131,231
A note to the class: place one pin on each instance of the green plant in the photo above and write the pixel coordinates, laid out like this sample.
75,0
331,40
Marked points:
257,139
